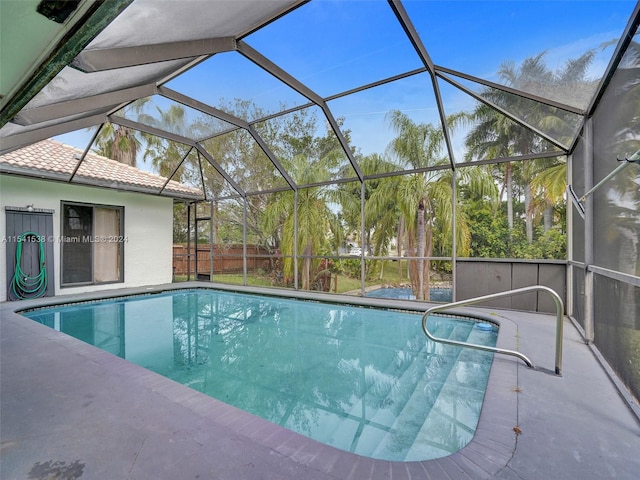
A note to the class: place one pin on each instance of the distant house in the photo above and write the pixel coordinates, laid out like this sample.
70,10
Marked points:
96,224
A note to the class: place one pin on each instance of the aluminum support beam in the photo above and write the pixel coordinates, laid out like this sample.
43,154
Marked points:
125,122
19,140
267,151
279,73
615,275
202,107
454,222
443,120
519,158
202,184
84,154
98,60
343,142
513,91
405,22
588,233
173,172
414,38
302,89
244,242
224,116
623,44
220,170
82,105
569,222
504,112
295,240
363,269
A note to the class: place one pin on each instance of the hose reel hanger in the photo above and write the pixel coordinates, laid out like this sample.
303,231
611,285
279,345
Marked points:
26,283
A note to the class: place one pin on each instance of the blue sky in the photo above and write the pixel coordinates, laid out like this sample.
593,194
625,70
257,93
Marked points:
332,46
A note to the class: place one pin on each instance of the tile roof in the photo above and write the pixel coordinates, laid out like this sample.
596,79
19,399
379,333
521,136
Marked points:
51,159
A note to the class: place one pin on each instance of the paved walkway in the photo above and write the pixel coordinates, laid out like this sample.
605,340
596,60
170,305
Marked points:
70,411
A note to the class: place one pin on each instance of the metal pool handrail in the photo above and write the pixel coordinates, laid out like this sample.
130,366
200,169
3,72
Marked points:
517,291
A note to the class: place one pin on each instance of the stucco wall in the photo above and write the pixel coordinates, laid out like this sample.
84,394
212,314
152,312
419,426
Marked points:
147,226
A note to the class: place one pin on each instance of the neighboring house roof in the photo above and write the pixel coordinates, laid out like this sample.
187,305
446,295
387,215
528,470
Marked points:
50,159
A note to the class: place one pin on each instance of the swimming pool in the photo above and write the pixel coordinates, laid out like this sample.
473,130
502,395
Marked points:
363,380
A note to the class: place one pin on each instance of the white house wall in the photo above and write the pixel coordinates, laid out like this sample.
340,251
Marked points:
148,228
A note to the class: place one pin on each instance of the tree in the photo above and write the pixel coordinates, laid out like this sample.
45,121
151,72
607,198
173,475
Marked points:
119,143
494,135
309,160
549,187
163,154
425,199
314,221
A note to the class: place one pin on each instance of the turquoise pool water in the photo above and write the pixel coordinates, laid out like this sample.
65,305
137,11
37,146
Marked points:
363,380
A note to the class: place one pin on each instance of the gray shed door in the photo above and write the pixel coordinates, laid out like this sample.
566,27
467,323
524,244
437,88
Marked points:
20,221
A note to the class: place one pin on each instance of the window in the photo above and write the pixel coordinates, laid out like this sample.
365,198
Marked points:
92,244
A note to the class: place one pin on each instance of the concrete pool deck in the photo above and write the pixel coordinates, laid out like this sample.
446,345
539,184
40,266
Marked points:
71,411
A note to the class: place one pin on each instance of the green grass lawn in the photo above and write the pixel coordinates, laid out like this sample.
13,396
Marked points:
388,274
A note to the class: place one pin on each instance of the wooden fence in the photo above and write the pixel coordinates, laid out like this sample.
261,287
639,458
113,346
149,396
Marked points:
226,259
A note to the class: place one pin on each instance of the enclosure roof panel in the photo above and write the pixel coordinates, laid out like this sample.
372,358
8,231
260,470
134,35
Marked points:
128,53
238,65
149,22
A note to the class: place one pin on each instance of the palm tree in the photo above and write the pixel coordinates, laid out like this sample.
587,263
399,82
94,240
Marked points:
380,220
377,222
492,137
119,143
424,198
549,187
163,154
314,220
416,146
495,136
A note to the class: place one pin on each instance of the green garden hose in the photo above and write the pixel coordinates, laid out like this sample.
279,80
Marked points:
27,286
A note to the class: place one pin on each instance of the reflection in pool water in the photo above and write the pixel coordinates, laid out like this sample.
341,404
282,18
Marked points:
435,294
363,380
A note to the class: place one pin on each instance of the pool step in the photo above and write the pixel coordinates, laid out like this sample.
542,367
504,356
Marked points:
385,426
453,407
398,373
410,421
381,422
